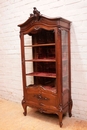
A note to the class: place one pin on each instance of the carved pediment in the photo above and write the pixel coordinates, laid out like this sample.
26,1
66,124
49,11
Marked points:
41,21
35,14
34,17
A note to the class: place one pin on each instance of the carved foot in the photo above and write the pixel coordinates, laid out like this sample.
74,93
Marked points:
25,112
70,108
60,119
70,114
61,124
24,107
60,115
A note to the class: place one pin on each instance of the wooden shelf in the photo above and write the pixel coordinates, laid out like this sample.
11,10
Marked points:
37,45
42,74
42,60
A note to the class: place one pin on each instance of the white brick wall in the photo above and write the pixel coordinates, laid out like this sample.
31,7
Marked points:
14,12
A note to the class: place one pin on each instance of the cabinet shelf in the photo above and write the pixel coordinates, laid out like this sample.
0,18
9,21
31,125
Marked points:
42,74
38,45
42,60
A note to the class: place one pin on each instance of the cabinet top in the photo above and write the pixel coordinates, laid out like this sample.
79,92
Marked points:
38,19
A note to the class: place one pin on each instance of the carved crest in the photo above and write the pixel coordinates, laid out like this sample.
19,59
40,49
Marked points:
35,14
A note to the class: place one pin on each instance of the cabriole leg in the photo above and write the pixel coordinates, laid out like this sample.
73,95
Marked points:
24,107
60,119
70,108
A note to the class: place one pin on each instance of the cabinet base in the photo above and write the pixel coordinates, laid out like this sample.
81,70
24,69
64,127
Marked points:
60,114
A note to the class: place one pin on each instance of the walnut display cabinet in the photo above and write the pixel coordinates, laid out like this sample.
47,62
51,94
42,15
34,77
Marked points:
45,52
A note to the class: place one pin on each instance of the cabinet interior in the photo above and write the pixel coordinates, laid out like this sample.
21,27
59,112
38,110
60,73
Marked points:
43,60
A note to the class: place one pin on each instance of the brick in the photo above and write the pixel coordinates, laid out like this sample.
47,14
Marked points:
71,1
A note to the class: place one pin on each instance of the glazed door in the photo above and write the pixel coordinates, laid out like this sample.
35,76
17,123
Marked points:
40,61
65,59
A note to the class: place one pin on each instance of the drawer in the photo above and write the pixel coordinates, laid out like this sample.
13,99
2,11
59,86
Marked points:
48,99
31,97
33,94
42,98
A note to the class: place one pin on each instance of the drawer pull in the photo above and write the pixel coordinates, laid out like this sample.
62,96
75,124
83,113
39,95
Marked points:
40,97
45,98
41,104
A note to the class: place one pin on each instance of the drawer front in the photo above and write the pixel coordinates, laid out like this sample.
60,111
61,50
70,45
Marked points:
48,99
32,97
31,94
42,98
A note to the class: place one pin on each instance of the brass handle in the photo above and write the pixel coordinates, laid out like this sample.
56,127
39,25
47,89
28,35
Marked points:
39,96
45,98
41,104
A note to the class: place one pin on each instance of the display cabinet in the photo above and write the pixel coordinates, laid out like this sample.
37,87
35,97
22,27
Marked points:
45,53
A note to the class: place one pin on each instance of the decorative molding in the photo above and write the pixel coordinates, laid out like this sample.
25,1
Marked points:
60,108
37,28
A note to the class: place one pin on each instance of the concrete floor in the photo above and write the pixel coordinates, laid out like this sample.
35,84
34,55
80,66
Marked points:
12,118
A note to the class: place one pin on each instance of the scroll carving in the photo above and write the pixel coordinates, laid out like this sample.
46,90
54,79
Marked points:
37,28
60,108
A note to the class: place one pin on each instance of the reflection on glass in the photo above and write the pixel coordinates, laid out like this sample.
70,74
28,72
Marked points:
29,80
27,40
28,53
65,73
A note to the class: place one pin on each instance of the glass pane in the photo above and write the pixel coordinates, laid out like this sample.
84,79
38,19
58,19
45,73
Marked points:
28,53
65,72
39,49
28,56
29,80
29,67
28,50
27,40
